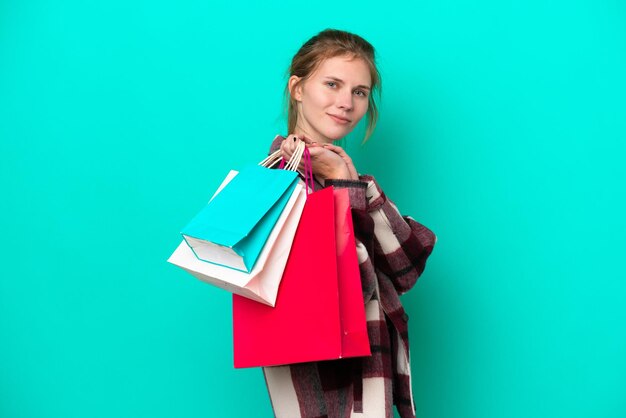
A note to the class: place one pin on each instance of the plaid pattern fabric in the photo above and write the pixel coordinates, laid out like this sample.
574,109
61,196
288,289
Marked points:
392,252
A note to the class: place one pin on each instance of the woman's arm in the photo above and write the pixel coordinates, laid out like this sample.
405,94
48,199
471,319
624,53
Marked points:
398,245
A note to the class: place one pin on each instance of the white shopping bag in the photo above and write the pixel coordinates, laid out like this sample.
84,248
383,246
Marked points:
261,284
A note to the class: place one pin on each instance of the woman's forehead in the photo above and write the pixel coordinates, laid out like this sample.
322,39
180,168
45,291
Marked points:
350,70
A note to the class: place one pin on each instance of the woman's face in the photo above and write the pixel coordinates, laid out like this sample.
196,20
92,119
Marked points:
332,101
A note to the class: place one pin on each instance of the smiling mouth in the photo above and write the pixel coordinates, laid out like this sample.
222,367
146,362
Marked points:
339,119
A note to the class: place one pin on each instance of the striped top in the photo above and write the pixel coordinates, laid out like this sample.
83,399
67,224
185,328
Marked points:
392,250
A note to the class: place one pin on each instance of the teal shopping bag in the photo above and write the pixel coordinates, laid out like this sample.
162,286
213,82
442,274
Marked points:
233,227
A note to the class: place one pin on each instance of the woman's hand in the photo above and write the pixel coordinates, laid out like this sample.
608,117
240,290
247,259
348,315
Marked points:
327,161
288,146
327,164
346,159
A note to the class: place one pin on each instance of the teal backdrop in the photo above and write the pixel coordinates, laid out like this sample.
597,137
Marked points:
502,128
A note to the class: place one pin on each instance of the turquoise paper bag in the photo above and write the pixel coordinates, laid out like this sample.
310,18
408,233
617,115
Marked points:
233,227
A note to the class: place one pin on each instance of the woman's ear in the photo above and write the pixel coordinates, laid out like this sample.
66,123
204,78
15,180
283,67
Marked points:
295,87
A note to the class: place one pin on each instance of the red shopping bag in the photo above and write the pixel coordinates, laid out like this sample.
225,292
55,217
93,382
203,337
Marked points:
319,313
355,341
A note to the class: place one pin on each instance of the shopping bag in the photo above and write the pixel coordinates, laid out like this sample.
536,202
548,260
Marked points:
319,312
233,227
354,337
261,284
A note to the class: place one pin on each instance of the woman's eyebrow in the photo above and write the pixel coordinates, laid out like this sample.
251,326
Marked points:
341,81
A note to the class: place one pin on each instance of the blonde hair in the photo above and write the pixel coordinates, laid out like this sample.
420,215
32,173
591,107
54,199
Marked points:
331,43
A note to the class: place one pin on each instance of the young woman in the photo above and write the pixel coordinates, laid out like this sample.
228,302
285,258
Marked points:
333,78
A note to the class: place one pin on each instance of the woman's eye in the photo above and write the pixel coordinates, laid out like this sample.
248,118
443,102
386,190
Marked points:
331,83
360,93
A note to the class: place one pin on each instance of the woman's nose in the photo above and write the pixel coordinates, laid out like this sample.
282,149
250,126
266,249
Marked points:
345,100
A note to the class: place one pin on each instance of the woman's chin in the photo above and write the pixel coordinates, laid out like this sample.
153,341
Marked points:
336,134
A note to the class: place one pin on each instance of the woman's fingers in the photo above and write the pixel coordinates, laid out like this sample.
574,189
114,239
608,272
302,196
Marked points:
344,156
326,159
285,151
307,140
290,143
328,164
338,150
287,147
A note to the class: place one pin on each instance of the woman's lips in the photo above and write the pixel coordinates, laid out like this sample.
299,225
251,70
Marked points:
339,119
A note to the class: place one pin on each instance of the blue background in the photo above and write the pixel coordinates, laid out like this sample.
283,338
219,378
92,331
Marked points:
502,129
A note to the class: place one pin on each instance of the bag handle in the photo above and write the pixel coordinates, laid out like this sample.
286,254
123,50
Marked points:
300,152
292,164
271,160
308,169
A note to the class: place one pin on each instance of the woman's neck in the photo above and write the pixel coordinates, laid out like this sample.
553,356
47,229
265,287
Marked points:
315,137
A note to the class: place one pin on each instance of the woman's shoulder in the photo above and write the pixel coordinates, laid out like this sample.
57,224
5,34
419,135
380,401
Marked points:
278,139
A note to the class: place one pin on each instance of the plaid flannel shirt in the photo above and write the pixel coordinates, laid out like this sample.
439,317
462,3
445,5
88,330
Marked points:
392,250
